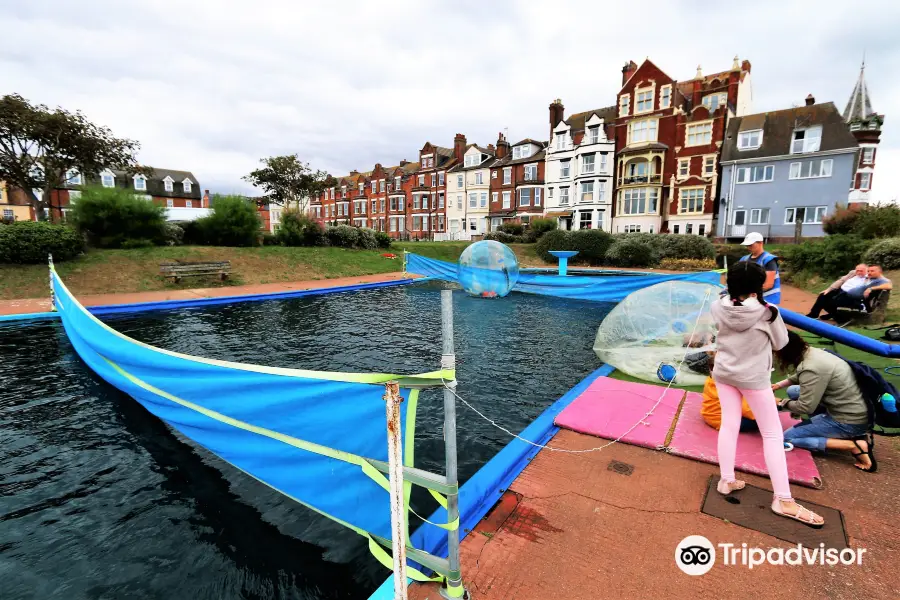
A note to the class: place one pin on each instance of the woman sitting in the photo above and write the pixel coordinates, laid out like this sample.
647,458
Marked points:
826,381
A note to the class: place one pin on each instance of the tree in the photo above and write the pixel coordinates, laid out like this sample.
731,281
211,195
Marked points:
287,181
38,147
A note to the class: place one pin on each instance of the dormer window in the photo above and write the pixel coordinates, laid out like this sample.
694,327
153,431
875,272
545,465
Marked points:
168,182
381,184
73,177
361,187
624,100
521,152
396,183
140,183
374,186
594,134
472,160
107,179
561,140
806,140
714,101
750,140
186,184
665,96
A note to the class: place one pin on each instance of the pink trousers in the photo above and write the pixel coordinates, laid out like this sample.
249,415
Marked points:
762,403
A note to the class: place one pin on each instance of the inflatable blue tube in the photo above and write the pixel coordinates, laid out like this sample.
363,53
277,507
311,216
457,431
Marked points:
842,336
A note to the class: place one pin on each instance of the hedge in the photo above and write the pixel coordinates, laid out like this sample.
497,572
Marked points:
832,256
885,254
553,240
31,242
631,253
297,229
116,218
592,245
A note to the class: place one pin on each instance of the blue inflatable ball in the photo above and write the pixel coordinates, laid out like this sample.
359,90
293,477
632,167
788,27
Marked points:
666,372
488,269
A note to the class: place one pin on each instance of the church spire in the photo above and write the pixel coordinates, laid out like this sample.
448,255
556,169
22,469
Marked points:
859,107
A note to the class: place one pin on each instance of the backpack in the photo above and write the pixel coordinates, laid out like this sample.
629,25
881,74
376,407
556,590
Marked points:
892,334
873,386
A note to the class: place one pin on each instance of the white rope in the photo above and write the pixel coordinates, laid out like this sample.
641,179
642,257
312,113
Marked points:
610,443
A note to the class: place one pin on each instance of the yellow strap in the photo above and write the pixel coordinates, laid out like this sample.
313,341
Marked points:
382,556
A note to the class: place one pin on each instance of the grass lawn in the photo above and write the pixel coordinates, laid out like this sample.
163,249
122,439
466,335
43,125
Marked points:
112,271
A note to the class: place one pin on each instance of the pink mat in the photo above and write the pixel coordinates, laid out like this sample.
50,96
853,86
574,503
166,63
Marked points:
693,438
609,407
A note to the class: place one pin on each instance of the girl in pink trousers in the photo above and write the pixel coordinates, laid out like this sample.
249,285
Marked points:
749,329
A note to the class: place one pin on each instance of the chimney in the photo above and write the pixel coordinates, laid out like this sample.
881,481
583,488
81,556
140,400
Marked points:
403,163
810,100
628,70
354,172
557,110
502,146
491,149
459,147
205,202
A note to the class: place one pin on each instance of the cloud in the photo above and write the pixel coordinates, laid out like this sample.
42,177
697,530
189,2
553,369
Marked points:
213,86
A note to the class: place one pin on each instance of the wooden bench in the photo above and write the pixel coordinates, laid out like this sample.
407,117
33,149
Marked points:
177,270
875,310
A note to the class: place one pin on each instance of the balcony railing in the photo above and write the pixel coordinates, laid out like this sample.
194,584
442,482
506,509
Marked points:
638,179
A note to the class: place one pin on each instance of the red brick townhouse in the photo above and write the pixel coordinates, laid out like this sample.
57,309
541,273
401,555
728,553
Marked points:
400,182
517,181
669,138
428,213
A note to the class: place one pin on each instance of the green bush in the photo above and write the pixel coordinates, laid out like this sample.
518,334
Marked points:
685,246
842,222
297,229
592,245
233,222
553,240
194,232
31,242
342,236
502,237
269,239
654,240
830,257
885,254
687,264
174,234
530,236
512,227
878,222
366,239
131,244
733,252
383,239
110,216
631,253
542,226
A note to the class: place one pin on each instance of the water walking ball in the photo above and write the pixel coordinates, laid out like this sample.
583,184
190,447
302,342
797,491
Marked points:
488,269
666,373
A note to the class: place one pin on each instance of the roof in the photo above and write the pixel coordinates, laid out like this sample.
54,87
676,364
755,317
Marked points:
509,160
859,107
530,141
778,127
577,121
155,183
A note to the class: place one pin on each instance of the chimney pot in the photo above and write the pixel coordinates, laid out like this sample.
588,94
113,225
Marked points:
810,100
557,110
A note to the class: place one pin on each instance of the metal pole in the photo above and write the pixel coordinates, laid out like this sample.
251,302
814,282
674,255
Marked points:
52,293
393,399
454,587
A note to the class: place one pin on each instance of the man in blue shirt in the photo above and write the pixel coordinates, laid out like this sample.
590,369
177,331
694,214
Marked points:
769,262
860,297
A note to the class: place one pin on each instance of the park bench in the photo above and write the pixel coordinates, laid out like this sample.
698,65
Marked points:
177,270
875,310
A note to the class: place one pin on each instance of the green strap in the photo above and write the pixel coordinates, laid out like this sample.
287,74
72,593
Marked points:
385,558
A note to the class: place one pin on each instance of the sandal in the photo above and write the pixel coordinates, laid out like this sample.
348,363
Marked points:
871,443
804,515
726,487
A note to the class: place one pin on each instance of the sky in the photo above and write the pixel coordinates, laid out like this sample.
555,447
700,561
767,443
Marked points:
213,86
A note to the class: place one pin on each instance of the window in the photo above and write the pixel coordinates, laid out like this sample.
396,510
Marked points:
473,224
483,199
74,195
393,223
188,204
806,140
587,191
665,96
675,229
750,140
868,156
755,174
565,168
759,216
507,175
416,201
691,200
170,203
186,184
594,134
550,193
633,229
471,160
381,205
440,200
709,165
561,140
623,105
381,184
494,197
531,172
393,204
639,201
479,178
397,183
331,193
537,196
417,223
433,179
506,200
642,131
714,101
374,206
603,162
440,223
109,180
587,163
73,177
425,201
684,167
811,214
865,181
601,191
643,101
421,181
140,183
361,187
525,197
459,202
688,228
563,196
584,220
459,181
441,178
811,168
473,200
699,134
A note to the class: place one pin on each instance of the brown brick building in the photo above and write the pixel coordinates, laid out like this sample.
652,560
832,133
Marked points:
517,181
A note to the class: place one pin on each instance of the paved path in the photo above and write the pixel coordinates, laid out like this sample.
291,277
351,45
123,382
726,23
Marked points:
35,305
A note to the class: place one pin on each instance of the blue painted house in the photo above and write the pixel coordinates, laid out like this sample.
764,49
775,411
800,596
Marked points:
785,165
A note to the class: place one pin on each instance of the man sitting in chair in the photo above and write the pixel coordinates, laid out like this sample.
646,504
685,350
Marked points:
852,280
860,297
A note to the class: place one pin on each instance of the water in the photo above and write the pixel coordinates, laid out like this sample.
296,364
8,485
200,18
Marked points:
101,500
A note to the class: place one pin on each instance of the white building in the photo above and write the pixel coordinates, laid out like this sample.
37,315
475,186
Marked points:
468,193
579,168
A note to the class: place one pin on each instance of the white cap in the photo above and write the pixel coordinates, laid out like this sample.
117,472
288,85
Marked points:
752,238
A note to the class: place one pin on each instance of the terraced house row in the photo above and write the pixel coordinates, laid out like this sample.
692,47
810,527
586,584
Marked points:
668,156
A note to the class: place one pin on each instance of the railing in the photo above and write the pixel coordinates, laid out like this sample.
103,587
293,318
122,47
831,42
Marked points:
638,179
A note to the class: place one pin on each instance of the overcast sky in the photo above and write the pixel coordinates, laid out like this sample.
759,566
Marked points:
212,86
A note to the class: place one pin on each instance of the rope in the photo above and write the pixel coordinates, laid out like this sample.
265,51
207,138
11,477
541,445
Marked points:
641,421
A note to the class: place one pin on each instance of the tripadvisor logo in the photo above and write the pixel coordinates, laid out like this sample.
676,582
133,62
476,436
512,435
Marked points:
696,555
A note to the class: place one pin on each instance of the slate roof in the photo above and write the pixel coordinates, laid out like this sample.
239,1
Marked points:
576,122
155,183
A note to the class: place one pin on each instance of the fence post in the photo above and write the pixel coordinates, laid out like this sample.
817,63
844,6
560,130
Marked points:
393,399
50,274
454,587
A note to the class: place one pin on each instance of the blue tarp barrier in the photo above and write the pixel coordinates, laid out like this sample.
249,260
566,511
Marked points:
597,289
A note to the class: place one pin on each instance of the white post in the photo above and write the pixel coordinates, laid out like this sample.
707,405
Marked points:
393,399
50,273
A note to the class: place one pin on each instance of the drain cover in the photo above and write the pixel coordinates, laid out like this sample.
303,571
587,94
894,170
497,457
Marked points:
620,467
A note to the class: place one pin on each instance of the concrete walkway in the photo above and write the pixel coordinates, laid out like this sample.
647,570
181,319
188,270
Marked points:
36,305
